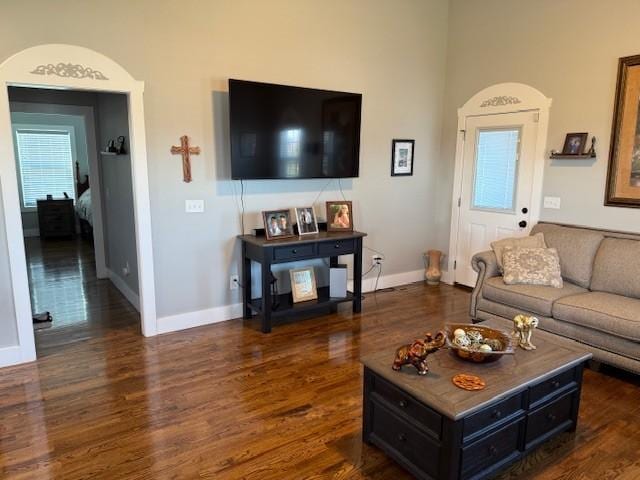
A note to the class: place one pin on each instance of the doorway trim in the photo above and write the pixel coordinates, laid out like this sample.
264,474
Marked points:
59,66
495,100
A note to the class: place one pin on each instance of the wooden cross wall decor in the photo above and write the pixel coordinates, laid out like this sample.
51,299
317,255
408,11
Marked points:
186,151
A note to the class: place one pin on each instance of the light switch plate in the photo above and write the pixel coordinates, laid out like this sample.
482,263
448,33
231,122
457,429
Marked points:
194,206
552,202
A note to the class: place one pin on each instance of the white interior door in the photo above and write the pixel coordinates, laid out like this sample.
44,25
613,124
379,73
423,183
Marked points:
497,181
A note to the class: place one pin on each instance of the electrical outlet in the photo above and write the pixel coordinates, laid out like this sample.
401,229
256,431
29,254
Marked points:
376,260
234,282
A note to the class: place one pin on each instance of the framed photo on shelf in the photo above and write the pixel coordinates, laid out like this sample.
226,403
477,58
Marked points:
303,284
402,157
339,216
623,174
574,143
306,220
277,224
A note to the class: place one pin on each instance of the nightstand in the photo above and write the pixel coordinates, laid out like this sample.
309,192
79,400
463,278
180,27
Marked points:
56,218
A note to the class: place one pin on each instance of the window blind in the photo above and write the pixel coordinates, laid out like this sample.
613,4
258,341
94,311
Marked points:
496,169
46,165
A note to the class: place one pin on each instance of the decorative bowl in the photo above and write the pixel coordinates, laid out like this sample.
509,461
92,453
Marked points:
471,353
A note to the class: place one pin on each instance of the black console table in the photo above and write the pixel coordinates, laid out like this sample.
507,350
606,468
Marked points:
269,252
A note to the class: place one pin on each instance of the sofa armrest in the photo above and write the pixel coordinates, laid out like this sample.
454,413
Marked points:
486,264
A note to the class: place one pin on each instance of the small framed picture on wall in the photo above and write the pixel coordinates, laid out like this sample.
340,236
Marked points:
402,157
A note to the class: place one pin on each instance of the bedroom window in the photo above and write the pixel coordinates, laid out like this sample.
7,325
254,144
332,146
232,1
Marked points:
46,165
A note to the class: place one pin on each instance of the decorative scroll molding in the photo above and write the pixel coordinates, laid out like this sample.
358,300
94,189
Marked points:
500,101
69,70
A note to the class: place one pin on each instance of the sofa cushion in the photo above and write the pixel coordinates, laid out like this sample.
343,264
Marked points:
533,298
576,247
616,347
531,266
606,312
617,267
532,241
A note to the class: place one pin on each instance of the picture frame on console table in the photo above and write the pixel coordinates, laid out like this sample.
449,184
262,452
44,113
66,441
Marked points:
277,224
306,221
339,216
303,284
623,174
402,157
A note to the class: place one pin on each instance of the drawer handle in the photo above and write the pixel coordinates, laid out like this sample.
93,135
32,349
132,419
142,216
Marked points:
402,437
337,245
555,384
551,417
496,414
403,403
294,251
493,451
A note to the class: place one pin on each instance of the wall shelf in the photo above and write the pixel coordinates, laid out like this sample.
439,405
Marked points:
571,156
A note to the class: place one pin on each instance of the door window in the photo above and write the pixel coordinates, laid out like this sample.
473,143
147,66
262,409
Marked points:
496,169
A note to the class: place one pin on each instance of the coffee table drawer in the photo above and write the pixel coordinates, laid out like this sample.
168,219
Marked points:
545,421
402,403
409,446
501,446
293,253
551,387
493,415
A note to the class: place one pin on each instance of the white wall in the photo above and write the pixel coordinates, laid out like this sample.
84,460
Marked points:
117,191
569,51
391,52
8,330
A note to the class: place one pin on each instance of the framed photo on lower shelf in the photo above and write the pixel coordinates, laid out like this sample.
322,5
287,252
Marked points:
303,284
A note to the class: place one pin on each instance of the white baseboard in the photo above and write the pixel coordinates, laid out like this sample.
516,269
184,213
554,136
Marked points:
181,321
121,285
199,318
11,356
447,277
31,232
389,281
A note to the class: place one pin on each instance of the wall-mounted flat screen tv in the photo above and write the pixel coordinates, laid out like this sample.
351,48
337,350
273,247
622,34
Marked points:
279,131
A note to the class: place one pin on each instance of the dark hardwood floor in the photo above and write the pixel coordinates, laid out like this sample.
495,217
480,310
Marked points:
62,280
227,402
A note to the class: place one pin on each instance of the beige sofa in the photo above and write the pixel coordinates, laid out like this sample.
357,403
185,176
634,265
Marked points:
599,305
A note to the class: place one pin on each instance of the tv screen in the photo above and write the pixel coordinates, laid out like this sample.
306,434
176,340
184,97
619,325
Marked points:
279,131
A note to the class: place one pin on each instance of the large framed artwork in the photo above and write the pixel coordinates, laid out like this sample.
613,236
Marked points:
623,176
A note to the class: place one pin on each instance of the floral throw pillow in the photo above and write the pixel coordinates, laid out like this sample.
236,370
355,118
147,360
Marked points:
531,266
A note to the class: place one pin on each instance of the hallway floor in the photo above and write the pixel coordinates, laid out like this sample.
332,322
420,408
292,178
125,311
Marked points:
62,280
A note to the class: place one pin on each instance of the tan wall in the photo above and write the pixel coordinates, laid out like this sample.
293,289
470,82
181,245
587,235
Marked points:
567,49
391,52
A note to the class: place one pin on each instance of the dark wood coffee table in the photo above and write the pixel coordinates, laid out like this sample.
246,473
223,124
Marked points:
439,431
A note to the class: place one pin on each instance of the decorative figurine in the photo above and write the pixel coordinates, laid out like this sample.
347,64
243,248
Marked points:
523,326
416,353
120,150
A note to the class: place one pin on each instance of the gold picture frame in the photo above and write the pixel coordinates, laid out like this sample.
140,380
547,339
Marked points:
303,284
339,216
623,174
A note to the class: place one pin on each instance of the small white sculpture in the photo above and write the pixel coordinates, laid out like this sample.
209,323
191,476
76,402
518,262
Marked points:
523,326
